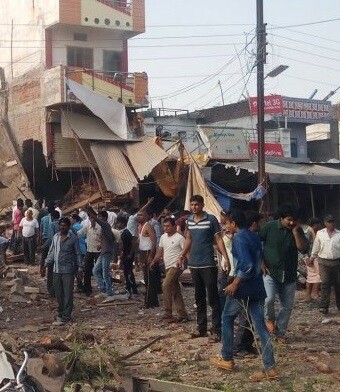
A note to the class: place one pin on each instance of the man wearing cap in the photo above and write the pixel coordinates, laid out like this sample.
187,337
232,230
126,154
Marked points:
327,248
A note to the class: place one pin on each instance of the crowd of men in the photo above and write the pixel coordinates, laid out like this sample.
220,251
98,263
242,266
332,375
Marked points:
238,266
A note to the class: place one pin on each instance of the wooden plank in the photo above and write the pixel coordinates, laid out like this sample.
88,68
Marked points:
82,203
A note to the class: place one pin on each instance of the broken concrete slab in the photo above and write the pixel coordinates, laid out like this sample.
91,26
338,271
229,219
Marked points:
16,299
18,289
13,282
31,290
35,369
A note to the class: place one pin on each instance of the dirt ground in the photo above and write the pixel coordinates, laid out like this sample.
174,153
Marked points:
312,349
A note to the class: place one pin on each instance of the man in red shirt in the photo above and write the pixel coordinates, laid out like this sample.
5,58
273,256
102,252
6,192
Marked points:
18,214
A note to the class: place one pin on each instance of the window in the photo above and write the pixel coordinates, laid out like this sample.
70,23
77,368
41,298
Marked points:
111,62
80,57
80,37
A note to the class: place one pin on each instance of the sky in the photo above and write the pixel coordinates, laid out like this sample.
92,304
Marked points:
198,53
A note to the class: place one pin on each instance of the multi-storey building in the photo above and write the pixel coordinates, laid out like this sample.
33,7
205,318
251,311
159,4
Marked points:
47,45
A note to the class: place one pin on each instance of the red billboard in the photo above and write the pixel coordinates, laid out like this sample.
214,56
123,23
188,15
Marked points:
271,149
272,104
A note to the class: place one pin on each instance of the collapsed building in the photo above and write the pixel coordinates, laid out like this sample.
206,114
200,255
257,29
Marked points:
68,102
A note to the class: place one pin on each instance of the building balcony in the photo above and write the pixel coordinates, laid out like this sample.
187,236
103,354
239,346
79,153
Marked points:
131,89
123,15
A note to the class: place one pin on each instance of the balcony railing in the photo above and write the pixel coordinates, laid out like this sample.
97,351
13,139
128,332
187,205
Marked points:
129,88
124,6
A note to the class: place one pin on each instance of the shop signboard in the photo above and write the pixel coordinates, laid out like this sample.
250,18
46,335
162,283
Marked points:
224,144
270,149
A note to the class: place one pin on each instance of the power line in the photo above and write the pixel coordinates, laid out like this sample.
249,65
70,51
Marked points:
306,62
306,43
311,35
132,39
180,57
192,86
307,80
306,24
305,52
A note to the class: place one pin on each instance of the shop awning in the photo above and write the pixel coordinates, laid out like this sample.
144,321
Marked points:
86,127
113,113
123,164
299,173
114,168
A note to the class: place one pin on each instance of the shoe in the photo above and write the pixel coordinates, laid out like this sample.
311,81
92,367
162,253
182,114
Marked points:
323,310
197,334
59,319
223,363
214,338
170,320
109,298
59,323
264,375
270,326
182,320
100,296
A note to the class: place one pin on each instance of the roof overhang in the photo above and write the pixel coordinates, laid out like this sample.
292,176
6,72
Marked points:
299,173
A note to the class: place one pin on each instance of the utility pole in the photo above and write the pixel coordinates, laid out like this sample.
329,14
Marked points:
261,59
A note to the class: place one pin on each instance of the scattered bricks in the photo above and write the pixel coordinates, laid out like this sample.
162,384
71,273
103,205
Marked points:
31,290
11,275
23,274
13,282
17,299
18,289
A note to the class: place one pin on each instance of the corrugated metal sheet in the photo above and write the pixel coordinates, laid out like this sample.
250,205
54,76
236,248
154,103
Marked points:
299,173
144,156
86,127
114,168
68,154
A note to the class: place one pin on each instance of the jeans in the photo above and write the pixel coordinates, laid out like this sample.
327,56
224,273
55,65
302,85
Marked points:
286,293
29,246
49,270
101,271
330,276
244,337
89,260
172,292
255,308
63,286
205,282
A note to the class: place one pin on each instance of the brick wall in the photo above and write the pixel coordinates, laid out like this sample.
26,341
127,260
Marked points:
141,88
138,15
26,115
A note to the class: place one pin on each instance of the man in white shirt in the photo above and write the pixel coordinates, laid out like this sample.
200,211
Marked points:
326,247
29,206
29,229
170,247
93,242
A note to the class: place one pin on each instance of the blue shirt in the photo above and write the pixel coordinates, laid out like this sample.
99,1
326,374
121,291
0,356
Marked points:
247,257
45,226
81,239
64,255
202,240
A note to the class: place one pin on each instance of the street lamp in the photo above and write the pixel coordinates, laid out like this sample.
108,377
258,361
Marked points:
276,71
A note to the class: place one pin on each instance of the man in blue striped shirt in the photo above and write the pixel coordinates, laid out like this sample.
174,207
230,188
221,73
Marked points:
202,231
65,257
